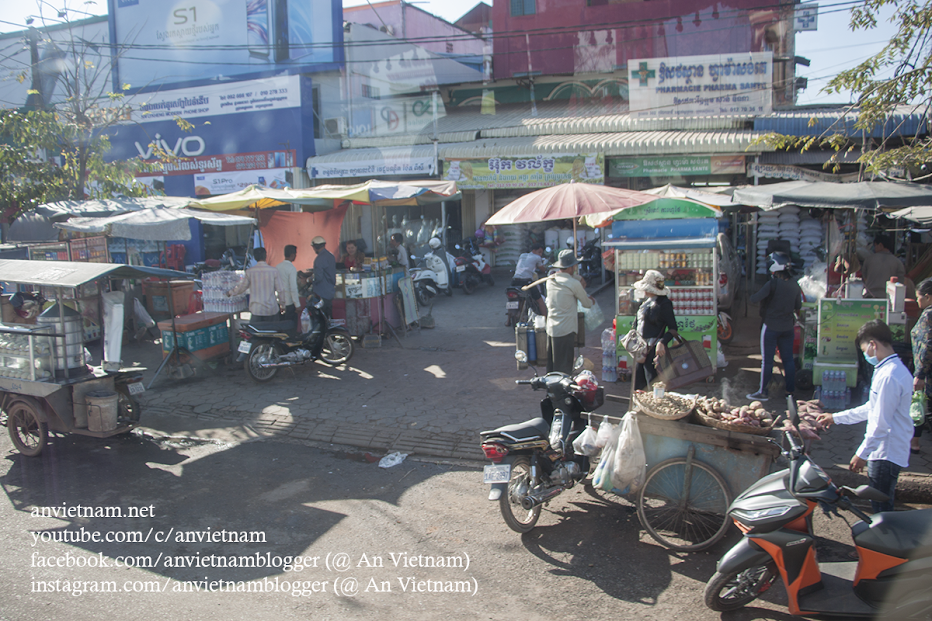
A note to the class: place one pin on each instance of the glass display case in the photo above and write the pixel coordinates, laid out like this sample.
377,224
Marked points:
25,352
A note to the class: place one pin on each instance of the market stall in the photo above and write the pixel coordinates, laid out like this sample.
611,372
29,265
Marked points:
46,380
678,238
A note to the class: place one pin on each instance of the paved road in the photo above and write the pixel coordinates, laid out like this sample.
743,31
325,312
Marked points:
431,392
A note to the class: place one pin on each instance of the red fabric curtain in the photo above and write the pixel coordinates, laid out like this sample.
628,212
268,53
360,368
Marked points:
280,228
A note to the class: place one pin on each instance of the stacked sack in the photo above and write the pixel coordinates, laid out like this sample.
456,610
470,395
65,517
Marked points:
864,242
768,227
810,239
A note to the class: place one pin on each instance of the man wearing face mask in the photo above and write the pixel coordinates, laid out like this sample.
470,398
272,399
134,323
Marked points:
885,448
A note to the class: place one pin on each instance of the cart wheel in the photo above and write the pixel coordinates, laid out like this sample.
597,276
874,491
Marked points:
684,504
28,433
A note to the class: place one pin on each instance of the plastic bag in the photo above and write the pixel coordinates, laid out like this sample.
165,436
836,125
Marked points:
392,459
917,408
604,434
305,321
593,315
142,316
630,462
584,444
602,479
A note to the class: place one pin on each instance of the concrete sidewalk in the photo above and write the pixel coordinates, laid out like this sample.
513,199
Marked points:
432,394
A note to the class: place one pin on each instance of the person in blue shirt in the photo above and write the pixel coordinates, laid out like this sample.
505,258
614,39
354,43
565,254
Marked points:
885,449
325,274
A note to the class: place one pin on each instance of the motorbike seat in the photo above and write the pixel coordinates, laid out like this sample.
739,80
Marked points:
273,327
528,430
902,534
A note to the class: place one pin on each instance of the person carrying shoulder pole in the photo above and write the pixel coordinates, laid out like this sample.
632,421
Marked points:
563,291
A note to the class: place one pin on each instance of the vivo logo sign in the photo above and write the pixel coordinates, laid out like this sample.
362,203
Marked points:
187,146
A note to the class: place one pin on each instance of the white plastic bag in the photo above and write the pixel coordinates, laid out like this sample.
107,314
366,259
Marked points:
602,479
392,459
142,316
604,434
630,463
593,315
584,444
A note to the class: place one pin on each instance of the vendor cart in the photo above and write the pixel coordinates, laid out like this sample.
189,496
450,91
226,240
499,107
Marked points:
693,473
45,382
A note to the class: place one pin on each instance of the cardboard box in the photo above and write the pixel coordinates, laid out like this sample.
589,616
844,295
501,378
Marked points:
823,364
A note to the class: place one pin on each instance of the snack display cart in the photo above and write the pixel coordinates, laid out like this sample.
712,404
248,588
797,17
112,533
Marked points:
45,381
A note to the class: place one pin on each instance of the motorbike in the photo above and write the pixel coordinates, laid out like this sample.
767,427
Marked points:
430,278
726,329
590,261
471,267
266,347
533,461
516,306
889,580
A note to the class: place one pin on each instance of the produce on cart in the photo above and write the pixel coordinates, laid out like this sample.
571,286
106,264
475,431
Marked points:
718,413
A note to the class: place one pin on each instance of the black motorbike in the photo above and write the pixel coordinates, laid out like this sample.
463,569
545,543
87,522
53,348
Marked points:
889,580
268,346
534,461
590,261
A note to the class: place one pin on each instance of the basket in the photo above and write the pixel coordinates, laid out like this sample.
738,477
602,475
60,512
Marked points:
642,401
719,424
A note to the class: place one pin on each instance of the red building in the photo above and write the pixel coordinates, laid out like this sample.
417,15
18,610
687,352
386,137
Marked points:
571,37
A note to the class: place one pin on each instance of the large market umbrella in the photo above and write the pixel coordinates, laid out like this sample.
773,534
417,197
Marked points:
383,192
257,197
568,200
864,195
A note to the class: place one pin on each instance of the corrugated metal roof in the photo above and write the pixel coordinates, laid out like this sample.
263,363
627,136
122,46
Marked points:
807,157
610,144
408,140
902,122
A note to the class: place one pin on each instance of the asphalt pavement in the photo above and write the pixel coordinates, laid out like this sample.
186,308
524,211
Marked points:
430,392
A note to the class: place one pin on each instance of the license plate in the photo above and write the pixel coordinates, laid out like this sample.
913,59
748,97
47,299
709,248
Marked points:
496,474
460,268
511,305
244,347
136,388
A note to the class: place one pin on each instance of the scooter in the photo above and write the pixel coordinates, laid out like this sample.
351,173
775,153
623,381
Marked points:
472,267
516,306
533,461
890,579
590,261
266,347
430,279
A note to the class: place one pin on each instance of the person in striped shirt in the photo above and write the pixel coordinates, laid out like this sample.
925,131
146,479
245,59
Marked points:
265,287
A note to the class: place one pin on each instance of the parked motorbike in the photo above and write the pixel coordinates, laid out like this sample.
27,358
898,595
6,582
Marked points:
516,306
430,278
471,267
889,580
533,461
590,261
726,328
266,347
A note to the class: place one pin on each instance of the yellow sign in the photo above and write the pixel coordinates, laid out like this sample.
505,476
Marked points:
540,171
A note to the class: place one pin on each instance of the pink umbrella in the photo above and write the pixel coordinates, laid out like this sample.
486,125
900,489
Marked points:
569,200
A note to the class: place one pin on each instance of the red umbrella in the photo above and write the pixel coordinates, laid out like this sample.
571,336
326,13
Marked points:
569,200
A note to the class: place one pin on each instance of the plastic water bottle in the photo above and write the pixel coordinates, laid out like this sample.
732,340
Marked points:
531,343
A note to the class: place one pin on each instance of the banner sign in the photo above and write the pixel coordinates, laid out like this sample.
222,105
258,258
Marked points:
540,171
681,165
716,84
795,173
218,99
224,183
198,40
222,163
373,168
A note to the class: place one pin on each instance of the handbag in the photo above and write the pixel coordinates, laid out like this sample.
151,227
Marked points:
684,363
635,345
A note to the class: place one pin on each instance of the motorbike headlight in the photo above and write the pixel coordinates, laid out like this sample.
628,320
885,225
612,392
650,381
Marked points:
760,514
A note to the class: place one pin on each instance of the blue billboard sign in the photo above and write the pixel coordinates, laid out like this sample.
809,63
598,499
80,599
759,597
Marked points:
195,41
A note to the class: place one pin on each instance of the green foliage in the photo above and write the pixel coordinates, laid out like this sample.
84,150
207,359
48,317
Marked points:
896,79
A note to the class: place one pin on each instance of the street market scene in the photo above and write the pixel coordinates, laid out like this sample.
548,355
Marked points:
255,356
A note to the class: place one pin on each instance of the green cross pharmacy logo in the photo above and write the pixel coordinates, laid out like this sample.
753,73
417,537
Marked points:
643,74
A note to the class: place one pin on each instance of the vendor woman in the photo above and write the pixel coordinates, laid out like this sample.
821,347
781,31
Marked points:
353,259
655,322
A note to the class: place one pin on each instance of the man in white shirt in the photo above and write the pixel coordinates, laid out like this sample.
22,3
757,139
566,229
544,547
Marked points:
397,242
563,291
885,448
526,272
289,275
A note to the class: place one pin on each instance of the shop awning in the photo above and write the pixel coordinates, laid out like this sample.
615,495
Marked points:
252,197
76,273
386,192
152,224
418,160
921,215
873,195
109,207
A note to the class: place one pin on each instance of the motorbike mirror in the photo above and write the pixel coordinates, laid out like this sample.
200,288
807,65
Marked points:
578,364
457,246
791,410
548,249
520,356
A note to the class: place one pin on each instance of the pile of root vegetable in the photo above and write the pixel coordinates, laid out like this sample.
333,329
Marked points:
808,420
669,406
752,415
